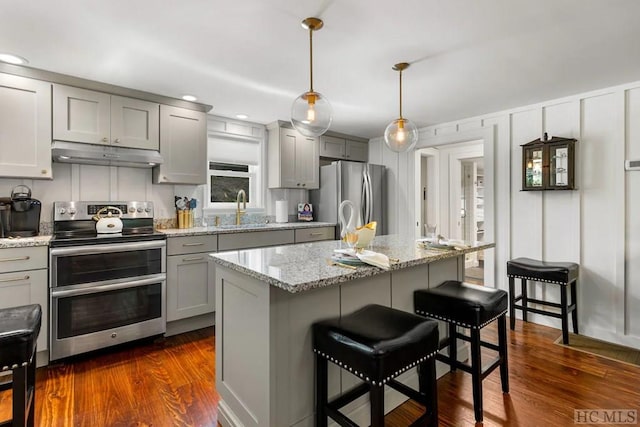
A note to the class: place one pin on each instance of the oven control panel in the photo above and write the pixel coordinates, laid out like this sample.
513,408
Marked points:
71,211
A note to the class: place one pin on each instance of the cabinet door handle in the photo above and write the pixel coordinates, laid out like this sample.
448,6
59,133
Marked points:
20,258
192,244
15,279
117,141
105,139
195,258
304,185
316,234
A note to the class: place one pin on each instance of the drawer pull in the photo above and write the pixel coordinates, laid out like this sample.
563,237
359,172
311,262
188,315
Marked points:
20,258
15,279
316,234
197,258
192,244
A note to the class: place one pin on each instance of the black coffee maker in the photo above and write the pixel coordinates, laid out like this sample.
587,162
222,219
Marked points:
23,217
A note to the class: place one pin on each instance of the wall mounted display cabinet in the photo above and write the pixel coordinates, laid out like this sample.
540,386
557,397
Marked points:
548,164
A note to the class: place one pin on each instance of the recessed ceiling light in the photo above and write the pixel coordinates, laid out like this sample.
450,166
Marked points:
242,116
189,98
13,59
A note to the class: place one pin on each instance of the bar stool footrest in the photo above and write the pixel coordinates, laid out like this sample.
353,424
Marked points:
408,391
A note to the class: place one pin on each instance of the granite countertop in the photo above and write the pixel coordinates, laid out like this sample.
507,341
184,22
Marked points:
302,267
24,242
244,228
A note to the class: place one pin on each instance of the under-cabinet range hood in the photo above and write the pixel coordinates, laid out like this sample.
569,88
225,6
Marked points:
89,154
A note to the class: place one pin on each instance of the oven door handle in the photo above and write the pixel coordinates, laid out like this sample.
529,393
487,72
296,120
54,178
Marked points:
55,293
115,247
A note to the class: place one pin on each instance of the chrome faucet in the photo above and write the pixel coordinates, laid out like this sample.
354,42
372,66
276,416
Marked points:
240,212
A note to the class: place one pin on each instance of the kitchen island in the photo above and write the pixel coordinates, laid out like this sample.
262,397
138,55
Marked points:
266,301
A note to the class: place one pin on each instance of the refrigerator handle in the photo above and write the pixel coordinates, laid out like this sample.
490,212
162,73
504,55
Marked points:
363,198
370,200
366,203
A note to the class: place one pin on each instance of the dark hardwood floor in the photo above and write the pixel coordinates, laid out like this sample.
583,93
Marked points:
171,383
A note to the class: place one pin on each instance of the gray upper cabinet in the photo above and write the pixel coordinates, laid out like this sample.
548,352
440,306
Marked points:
91,117
25,127
183,146
356,151
135,123
336,147
331,146
294,159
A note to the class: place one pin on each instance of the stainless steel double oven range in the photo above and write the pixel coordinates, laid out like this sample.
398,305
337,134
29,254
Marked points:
105,289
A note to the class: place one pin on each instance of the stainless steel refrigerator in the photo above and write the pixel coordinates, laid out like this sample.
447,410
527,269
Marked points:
362,183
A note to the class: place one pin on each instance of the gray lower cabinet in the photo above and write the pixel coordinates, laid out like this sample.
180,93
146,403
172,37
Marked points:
255,239
23,281
314,234
190,273
190,276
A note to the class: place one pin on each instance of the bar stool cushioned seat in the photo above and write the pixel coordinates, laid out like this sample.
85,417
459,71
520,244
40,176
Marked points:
559,273
19,330
376,343
472,307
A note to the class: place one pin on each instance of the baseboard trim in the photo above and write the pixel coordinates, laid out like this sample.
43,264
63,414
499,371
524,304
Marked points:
191,324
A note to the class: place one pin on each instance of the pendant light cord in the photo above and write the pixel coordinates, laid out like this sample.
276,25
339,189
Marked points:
400,93
310,60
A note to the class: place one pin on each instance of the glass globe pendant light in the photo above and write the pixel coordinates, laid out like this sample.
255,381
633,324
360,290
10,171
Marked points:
311,113
401,134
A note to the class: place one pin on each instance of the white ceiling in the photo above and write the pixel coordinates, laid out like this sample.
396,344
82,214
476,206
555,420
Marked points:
468,57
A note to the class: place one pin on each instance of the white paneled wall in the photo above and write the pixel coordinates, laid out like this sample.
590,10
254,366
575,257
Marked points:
597,225
632,218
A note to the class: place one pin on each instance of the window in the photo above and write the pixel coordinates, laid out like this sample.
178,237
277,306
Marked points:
235,157
227,179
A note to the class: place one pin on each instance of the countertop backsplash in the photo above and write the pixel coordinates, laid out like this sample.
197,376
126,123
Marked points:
224,219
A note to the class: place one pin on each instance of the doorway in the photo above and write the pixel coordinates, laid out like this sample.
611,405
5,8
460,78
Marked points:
472,215
452,197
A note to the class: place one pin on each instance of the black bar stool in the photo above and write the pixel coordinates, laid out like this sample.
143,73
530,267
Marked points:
19,329
564,274
377,344
472,307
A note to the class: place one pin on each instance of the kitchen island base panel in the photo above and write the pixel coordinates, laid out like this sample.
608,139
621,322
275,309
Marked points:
264,362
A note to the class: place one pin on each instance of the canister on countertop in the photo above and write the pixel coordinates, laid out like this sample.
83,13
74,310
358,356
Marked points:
282,208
